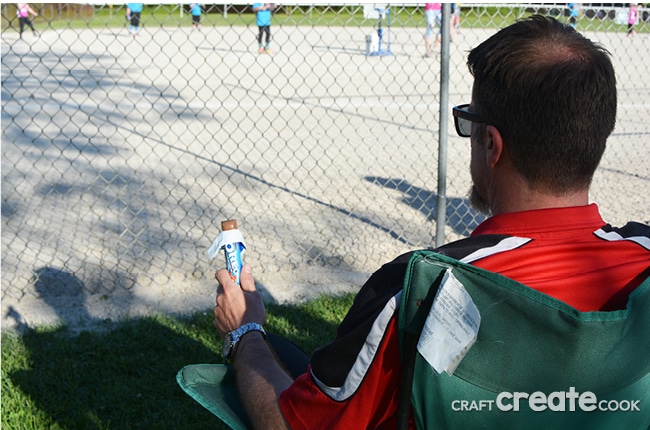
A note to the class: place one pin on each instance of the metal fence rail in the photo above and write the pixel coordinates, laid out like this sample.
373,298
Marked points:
121,154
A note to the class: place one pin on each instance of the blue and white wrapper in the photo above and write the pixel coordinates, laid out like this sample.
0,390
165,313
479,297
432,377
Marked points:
233,245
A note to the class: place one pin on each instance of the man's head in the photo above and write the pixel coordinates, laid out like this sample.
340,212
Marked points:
551,94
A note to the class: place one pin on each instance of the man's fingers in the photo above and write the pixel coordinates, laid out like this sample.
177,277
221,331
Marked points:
235,305
246,278
224,279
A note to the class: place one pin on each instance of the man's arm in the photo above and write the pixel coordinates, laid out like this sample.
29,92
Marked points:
260,378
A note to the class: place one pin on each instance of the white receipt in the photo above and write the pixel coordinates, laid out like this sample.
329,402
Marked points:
451,327
226,236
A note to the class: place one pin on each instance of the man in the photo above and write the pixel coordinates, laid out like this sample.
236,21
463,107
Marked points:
543,105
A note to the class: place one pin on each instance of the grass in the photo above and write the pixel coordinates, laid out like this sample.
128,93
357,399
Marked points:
123,376
77,16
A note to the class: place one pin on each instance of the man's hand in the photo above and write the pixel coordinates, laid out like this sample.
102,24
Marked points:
234,305
258,373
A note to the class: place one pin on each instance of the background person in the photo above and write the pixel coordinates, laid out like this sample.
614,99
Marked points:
22,12
632,19
455,17
533,155
574,10
263,21
433,17
195,9
133,13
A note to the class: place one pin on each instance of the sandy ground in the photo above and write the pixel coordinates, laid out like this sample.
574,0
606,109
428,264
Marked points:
121,156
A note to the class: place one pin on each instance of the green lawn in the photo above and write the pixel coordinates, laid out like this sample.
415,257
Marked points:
123,376
169,15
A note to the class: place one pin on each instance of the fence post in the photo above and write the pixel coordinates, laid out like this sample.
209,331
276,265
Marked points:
441,201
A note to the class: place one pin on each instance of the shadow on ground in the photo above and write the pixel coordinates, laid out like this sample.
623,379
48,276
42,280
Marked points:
124,376
459,213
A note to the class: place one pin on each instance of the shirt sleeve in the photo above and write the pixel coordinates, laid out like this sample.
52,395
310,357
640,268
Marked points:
373,405
353,382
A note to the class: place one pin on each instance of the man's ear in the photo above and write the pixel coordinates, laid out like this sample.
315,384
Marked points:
494,149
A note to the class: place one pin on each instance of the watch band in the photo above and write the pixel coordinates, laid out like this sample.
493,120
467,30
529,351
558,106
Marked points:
233,338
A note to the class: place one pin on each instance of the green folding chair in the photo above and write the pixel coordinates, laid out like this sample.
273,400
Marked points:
213,386
527,342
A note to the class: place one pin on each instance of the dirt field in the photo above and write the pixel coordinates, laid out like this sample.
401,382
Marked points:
117,169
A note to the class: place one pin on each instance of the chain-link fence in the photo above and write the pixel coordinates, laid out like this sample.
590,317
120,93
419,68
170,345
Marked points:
123,151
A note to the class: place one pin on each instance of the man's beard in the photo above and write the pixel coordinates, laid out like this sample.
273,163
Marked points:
478,202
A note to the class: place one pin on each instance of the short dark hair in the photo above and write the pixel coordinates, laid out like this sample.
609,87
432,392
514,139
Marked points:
551,93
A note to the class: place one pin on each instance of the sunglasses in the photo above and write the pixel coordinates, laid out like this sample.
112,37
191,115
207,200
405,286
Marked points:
463,120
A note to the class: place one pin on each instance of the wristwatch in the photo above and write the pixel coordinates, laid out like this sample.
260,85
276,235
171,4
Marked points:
232,338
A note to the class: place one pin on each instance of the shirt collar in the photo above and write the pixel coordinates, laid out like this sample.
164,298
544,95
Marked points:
526,223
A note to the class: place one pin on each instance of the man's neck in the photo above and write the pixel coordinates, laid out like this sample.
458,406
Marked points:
518,199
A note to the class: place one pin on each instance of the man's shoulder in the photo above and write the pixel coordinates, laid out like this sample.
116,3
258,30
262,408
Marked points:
462,248
374,302
388,280
390,276
632,231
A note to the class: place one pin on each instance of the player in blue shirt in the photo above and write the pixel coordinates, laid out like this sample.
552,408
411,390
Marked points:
263,21
133,11
196,15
